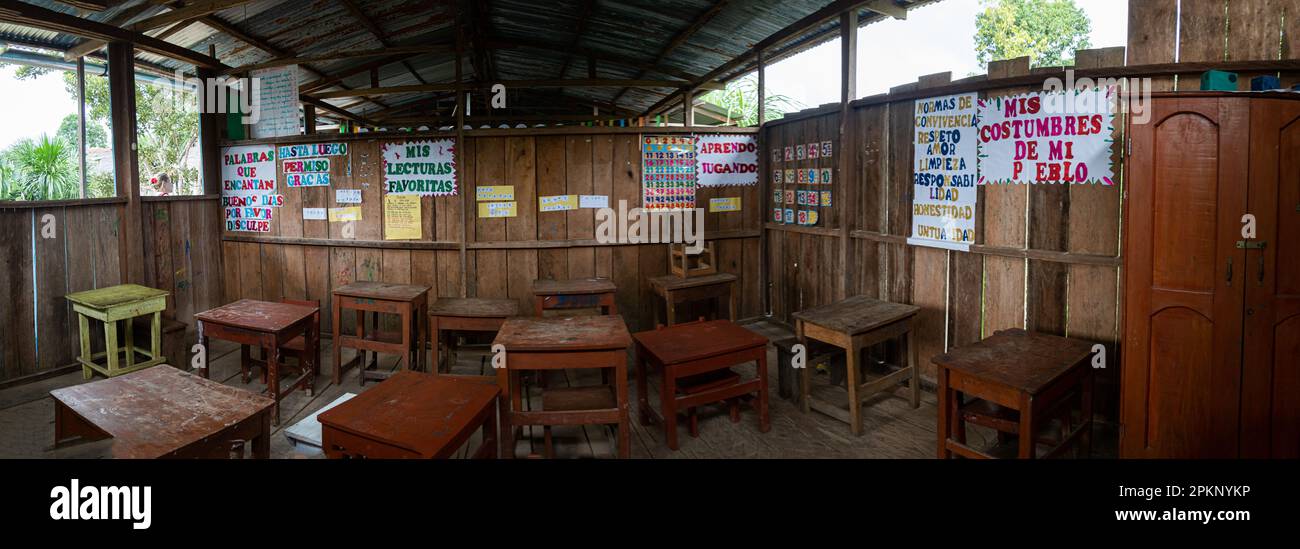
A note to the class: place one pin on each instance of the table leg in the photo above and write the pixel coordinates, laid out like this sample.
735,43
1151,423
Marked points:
671,310
667,296
668,405
764,419
155,336
805,373
538,306
203,344
338,365
624,426
262,442
945,413
129,339
407,337
360,317
273,378
732,298
1027,427
916,370
435,334
243,363
490,441
642,398
110,344
424,337
611,306
1085,438
855,405
83,323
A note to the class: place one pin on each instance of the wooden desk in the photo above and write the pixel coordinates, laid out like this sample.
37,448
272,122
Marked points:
574,294
410,303
854,324
110,306
692,349
466,315
163,413
565,343
414,415
675,289
267,325
1027,372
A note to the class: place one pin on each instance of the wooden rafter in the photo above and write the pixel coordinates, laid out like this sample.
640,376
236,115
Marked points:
122,18
679,39
588,6
22,13
366,21
500,44
342,54
516,84
198,8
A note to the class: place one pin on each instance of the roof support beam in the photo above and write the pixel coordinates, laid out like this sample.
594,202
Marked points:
22,13
681,38
569,83
588,6
123,17
343,54
495,44
198,8
370,25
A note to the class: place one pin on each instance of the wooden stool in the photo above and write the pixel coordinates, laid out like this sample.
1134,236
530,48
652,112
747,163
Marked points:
855,324
1031,376
109,306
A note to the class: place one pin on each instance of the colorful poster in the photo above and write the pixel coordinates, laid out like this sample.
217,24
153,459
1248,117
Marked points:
593,201
557,203
313,172
347,196
425,168
726,159
401,217
494,193
728,204
498,209
312,150
944,177
350,213
668,172
278,102
1047,137
314,213
248,187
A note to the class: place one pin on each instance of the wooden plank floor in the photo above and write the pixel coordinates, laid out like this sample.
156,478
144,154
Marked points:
892,429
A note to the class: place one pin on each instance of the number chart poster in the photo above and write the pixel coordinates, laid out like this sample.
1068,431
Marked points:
723,159
426,168
1047,138
248,187
668,172
944,176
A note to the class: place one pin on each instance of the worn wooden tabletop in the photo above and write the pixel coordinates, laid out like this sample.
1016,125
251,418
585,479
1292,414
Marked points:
674,282
573,287
856,314
112,296
155,411
414,411
1028,361
474,307
260,316
382,291
697,340
580,333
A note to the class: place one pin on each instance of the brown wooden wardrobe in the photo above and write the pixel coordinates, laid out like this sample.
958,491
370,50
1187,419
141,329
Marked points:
1211,352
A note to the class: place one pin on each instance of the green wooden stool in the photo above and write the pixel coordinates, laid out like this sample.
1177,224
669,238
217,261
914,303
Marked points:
112,305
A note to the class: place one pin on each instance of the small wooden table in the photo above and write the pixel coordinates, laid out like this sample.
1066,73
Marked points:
574,294
675,289
111,305
466,314
1030,373
854,324
565,343
163,413
414,415
410,303
692,349
267,325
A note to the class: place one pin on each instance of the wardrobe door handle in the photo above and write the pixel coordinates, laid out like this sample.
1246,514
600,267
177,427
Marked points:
1229,277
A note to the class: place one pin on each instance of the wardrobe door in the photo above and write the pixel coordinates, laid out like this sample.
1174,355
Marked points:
1270,423
1186,190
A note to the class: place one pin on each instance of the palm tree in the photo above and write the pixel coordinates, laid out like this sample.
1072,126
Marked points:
41,169
740,99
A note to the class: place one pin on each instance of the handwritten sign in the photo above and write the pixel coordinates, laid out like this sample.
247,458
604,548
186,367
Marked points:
425,168
497,209
944,176
593,201
494,193
314,213
401,217
557,203
1047,137
728,204
351,213
313,172
726,160
278,107
248,187
312,150
347,196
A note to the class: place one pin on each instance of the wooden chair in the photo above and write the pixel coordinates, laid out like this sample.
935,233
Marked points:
295,348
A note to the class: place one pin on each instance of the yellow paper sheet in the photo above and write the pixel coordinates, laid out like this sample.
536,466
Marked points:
557,203
352,213
495,193
401,217
728,204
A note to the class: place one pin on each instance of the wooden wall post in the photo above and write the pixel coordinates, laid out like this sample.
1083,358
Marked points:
309,119
847,153
210,124
121,87
688,107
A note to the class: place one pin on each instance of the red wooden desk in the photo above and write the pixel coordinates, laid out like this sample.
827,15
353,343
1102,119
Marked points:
574,294
466,314
1028,373
267,325
162,412
565,343
696,348
408,302
414,415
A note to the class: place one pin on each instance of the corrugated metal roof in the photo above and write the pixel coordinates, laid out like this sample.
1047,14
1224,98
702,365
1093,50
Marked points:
635,32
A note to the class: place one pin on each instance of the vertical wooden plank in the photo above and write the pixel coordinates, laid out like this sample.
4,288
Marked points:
52,317
157,222
1290,47
1152,36
231,278
449,222
79,221
490,165
179,248
579,223
19,337
370,264
602,159
929,270
424,271
899,201
317,274
551,263
626,187
368,175
207,255
521,153
250,272
343,271
108,265
1004,225
1202,28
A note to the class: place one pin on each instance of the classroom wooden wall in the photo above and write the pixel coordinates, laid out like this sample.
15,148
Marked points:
306,259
